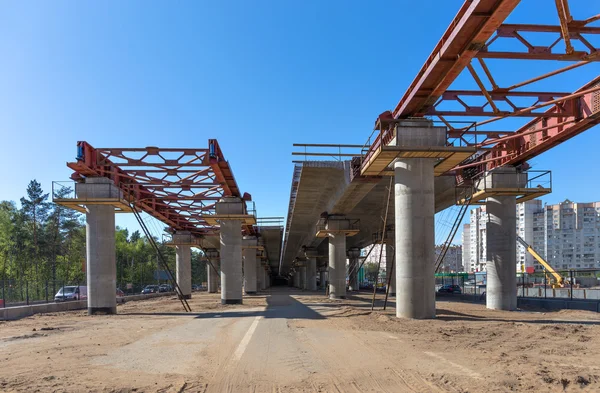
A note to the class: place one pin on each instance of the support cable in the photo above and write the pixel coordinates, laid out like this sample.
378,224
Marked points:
383,233
450,239
140,221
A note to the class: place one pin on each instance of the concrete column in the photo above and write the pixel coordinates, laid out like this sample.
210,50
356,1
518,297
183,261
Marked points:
501,240
101,259
303,283
322,279
389,257
414,222
353,255
231,262
183,258
311,270
100,245
337,266
259,276
415,238
213,276
265,278
249,255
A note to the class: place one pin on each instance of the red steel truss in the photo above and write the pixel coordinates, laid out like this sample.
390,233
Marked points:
176,186
478,33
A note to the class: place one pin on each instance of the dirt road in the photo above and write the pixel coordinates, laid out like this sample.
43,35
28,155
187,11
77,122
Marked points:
290,341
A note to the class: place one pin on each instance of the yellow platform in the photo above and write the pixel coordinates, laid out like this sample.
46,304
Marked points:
120,205
378,162
213,219
325,232
522,194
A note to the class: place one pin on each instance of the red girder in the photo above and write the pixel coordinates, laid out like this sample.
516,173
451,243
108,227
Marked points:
540,135
176,186
471,38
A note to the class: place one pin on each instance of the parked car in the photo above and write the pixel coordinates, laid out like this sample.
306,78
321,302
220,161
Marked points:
196,288
72,292
165,288
450,289
120,293
150,289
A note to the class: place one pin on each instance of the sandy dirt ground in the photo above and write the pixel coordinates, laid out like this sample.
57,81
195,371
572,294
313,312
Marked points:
293,341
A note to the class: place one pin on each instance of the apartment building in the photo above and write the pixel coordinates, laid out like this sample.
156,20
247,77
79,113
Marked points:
566,234
453,260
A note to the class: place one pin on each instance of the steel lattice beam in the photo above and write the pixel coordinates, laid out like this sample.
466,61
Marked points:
176,186
473,36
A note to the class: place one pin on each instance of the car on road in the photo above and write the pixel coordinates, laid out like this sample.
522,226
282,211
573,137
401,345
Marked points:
165,288
71,292
196,288
120,293
450,289
150,289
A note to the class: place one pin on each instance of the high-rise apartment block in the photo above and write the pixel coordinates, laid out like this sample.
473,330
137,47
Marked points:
567,235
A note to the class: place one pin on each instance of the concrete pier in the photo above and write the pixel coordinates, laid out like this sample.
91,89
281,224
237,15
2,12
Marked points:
231,248
322,279
501,241
100,246
249,255
414,222
183,267
337,266
303,281
311,269
212,271
389,259
231,262
259,275
353,255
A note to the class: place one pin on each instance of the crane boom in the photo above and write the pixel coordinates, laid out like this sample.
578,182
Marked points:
559,279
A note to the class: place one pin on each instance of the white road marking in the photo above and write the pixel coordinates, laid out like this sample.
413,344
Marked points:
464,369
394,337
246,340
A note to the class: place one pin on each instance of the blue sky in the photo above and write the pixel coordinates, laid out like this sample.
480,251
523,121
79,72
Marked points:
258,76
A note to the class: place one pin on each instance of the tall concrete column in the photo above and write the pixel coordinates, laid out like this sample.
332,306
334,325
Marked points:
101,259
231,262
501,241
100,245
337,266
414,221
389,260
303,281
322,279
311,269
213,277
259,275
249,255
183,267
231,248
265,278
296,279
212,269
353,255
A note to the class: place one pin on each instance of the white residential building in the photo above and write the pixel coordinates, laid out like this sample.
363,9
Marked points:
453,260
567,235
466,247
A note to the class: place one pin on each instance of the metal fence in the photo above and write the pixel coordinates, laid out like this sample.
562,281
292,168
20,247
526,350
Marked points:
15,293
576,284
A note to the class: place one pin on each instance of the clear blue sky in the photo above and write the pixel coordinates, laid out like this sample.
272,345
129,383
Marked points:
256,75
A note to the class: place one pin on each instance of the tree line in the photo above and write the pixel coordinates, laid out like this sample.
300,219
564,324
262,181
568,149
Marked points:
43,242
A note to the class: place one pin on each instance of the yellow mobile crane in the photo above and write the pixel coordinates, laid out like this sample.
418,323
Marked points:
560,282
